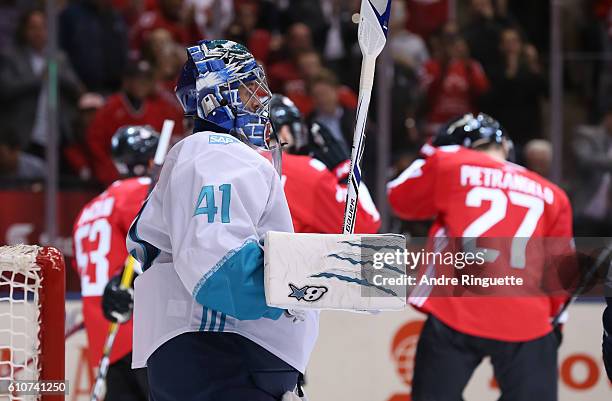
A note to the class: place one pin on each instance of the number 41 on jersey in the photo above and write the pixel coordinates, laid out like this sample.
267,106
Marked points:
206,202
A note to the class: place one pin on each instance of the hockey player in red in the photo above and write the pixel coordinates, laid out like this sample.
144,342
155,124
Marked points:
472,192
99,244
315,169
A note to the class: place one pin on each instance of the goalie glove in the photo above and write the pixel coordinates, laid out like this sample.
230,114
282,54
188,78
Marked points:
117,303
329,150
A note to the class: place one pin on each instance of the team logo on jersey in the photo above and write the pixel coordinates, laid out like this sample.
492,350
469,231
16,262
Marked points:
221,139
307,293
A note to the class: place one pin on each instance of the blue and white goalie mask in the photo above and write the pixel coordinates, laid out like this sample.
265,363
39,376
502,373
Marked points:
222,84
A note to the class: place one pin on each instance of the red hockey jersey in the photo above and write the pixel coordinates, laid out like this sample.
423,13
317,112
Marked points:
100,253
472,195
316,199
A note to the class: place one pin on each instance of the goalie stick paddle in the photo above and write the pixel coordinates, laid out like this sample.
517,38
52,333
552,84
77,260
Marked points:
372,35
128,271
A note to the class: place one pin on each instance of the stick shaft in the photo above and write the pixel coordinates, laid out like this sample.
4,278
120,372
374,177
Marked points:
366,83
164,141
160,153
113,329
586,280
104,362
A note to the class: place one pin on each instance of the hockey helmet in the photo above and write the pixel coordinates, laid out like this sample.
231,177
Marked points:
283,112
471,132
132,148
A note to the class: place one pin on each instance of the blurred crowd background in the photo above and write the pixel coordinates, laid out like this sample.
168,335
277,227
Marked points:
119,59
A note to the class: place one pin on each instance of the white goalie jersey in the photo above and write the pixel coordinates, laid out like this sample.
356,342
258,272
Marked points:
198,240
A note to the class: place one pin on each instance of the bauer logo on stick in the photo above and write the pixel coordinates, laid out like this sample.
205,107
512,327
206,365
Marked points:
307,293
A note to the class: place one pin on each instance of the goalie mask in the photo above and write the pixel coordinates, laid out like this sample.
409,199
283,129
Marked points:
222,85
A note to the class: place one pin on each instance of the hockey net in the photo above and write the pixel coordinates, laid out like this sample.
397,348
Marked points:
32,314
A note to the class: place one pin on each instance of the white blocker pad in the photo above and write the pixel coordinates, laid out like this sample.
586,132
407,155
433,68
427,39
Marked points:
334,271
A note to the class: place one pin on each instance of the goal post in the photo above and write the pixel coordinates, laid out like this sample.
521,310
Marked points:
32,316
53,314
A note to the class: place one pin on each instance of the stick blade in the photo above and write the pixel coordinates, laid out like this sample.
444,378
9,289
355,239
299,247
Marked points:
373,26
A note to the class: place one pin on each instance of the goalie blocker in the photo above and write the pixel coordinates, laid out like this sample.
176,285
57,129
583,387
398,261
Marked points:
333,271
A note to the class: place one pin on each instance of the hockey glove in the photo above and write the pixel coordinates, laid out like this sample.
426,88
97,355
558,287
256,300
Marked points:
326,148
117,303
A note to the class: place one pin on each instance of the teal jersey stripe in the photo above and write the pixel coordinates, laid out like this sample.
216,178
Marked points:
215,317
204,318
222,324
213,320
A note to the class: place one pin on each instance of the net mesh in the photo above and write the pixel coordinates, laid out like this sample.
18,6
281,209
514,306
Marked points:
21,280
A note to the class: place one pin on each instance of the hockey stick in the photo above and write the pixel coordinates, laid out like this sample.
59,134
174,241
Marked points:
74,329
113,329
128,271
372,35
586,280
160,152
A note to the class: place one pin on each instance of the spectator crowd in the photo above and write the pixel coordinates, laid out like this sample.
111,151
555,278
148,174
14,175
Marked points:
119,59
